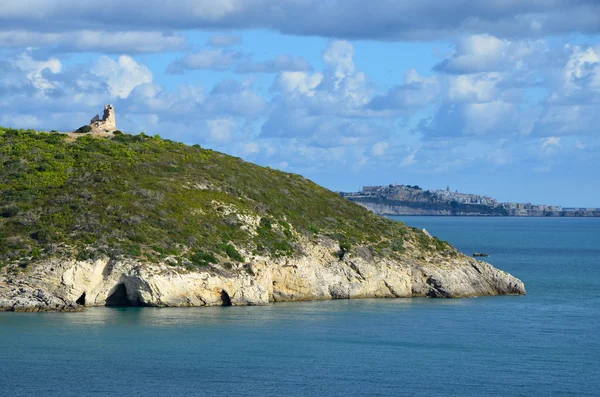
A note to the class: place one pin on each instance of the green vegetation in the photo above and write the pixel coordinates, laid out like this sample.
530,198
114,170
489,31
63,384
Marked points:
83,129
150,198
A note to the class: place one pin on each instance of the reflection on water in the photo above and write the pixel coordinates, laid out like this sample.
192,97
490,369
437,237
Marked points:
247,316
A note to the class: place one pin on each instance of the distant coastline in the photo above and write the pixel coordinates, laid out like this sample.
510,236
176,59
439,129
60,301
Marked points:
409,200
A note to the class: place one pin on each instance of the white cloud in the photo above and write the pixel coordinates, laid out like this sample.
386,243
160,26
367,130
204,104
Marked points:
221,130
300,82
416,92
479,87
250,148
379,149
550,141
122,75
340,56
582,71
34,69
486,53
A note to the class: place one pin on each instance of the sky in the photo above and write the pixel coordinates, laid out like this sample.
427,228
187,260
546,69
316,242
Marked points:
495,97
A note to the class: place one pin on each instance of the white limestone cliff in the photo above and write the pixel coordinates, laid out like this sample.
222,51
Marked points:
68,284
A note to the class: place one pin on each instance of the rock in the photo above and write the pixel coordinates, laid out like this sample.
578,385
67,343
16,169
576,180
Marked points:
56,285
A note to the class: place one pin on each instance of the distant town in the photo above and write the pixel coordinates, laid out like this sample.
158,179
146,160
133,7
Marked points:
397,199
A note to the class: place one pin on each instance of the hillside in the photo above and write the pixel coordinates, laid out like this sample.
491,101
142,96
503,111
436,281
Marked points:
136,204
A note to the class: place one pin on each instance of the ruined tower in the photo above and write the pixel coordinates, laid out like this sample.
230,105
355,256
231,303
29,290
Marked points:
108,122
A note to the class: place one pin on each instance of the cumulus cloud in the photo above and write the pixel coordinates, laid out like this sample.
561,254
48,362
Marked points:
221,130
532,100
486,53
298,82
484,120
122,75
416,92
582,71
339,55
481,87
34,70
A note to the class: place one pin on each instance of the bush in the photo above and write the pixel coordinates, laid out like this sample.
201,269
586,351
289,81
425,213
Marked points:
397,245
233,253
265,223
83,129
41,236
118,132
203,259
345,245
9,212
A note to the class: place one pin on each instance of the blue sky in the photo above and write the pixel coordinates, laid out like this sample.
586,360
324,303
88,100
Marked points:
497,97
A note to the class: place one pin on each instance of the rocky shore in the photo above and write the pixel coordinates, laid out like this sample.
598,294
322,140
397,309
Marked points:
71,285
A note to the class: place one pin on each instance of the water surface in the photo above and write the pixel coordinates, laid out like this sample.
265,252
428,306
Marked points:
545,343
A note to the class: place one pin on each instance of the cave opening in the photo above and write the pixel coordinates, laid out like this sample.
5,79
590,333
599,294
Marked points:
81,300
225,299
119,297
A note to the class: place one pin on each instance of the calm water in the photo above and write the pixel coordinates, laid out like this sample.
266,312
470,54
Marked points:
545,343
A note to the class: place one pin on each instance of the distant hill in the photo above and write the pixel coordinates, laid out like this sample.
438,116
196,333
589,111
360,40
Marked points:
412,200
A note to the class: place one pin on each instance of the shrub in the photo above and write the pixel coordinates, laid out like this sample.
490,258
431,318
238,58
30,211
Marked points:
203,259
265,223
118,132
41,236
233,253
397,245
345,245
83,129
9,212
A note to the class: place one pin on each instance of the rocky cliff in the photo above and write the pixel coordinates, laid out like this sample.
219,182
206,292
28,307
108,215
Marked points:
71,285
138,220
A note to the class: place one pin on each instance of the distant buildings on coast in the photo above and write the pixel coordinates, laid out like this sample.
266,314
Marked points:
405,199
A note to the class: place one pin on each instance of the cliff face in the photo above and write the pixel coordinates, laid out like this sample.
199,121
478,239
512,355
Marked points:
71,285
389,209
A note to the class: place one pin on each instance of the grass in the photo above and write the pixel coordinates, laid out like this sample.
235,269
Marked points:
151,198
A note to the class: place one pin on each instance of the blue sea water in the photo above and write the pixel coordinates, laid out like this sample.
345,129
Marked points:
543,344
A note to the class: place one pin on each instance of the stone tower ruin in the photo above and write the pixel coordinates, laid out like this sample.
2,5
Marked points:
108,122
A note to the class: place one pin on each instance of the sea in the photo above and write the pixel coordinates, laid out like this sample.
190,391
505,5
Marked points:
546,343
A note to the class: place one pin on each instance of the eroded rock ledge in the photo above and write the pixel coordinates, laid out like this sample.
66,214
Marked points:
70,285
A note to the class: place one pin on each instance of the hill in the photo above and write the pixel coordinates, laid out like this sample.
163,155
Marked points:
144,220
